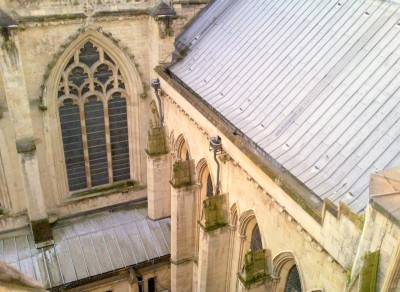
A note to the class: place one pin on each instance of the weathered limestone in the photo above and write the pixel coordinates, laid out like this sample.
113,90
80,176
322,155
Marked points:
18,106
213,247
183,207
254,271
284,224
158,174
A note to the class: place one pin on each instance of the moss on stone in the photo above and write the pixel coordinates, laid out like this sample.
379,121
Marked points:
254,269
116,187
26,145
157,142
358,220
331,207
182,174
369,271
41,230
214,212
53,17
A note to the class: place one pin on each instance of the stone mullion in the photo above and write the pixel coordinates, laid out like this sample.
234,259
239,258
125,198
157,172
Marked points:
108,142
85,145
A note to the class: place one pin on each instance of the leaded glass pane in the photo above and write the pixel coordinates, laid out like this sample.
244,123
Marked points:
89,54
119,137
77,76
96,139
209,186
73,147
256,243
293,281
107,57
103,73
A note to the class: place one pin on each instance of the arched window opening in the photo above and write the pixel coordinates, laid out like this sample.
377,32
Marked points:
293,283
93,119
256,243
209,186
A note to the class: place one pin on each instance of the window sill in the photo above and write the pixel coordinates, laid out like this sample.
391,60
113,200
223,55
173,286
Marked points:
119,187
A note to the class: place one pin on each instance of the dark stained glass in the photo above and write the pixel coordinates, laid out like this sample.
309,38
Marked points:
121,84
73,147
70,62
103,73
107,57
89,54
73,91
119,137
85,89
96,139
256,243
110,86
293,281
98,87
77,76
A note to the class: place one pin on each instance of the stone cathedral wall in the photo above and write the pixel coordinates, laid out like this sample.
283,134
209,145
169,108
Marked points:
45,30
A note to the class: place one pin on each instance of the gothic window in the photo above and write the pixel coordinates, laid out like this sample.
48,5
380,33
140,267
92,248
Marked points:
255,243
293,281
93,119
209,186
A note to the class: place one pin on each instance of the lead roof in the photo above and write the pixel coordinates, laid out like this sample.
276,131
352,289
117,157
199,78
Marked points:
313,83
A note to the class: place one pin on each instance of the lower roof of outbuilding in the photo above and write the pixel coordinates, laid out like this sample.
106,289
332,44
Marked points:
90,245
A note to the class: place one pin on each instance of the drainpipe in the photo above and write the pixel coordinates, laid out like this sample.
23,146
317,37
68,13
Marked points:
217,185
155,83
216,147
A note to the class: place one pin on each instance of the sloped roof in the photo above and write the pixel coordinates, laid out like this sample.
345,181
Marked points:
90,246
313,83
385,190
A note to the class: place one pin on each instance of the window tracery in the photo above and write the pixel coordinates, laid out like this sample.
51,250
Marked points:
93,119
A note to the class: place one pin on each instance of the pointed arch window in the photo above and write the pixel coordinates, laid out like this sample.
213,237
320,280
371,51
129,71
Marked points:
256,243
293,283
93,119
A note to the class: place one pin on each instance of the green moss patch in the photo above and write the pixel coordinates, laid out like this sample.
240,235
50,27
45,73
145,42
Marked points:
157,142
254,269
369,271
41,230
358,220
214,212
182,174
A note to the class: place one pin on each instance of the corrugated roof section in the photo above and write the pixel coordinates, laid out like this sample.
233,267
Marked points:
313,83
90,246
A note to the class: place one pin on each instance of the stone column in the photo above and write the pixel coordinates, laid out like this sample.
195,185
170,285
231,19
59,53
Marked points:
183,217
158,175
18,106
214,245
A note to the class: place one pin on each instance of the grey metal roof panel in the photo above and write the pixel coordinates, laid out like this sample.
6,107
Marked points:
89,246
315,84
